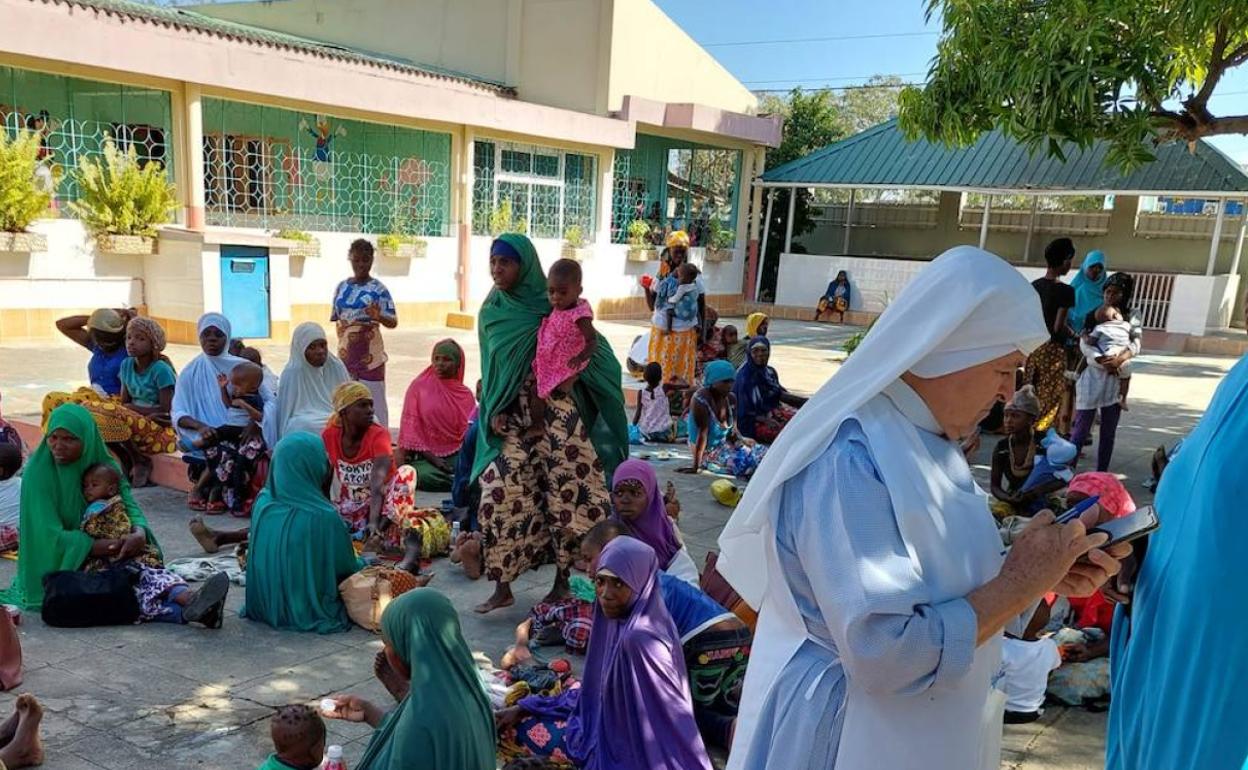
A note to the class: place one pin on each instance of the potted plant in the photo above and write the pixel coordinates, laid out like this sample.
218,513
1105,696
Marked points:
402,246
22,198
300,244
502,220
122,201
574,244
638,249
719,242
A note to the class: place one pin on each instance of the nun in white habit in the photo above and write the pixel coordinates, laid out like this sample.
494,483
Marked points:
870,552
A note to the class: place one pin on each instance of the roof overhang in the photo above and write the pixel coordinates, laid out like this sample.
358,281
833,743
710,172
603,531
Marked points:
1005,190
712,122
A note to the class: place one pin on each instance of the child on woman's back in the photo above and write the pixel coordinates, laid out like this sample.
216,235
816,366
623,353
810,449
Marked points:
653,416
566,340
680,296
105,516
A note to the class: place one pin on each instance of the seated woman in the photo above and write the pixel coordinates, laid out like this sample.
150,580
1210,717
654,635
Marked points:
764,407
134,421
376,500
435,417
637,501
835,299
1014,457
103,333
305,399
54,499
198,409
300,551
633,708
712,427
756,325
445,722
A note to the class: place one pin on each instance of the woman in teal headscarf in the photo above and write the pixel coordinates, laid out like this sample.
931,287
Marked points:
445,720
538,496
300,551
1178,673
1089,285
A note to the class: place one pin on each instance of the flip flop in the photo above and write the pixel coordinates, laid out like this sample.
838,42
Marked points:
211,594
196,503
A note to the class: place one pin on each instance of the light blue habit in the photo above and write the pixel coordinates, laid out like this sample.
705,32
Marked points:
1178,668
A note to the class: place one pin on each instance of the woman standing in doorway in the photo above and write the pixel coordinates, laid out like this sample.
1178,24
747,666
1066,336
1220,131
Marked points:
362,305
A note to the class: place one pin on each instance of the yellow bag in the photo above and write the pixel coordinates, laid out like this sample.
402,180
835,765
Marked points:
367,593
435,535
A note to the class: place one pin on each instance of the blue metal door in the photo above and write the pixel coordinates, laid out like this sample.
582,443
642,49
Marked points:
245,290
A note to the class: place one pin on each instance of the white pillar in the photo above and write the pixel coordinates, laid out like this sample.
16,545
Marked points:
1239,242
983,226
193,115
788,224
756,195
762,249
1031,228
849,219
1217,236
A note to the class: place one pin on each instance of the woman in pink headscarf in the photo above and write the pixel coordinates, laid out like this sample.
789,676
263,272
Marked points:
436,411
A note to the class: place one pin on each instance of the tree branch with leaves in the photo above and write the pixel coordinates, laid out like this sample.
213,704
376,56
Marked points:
1134,73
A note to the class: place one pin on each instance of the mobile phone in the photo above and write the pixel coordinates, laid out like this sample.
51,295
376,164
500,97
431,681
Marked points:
1130,527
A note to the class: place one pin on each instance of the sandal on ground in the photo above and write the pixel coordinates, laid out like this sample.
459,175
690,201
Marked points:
196,503
214,508
206,604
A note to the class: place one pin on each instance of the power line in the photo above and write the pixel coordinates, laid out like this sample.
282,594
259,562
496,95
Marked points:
901,75
832,38
804,89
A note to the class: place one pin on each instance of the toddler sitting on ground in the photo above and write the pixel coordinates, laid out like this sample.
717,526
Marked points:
105,517
653,417
566,340
298,734
1111,336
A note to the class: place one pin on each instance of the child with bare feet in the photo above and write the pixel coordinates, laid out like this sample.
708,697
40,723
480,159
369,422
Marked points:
298,734
566,340
1111,336
20,744
105,517
241,394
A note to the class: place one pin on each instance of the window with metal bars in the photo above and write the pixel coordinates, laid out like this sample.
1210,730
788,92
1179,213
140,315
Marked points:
538,191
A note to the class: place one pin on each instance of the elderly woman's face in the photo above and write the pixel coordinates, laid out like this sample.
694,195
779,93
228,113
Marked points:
213,341
505,271
64,446
317,353
960,400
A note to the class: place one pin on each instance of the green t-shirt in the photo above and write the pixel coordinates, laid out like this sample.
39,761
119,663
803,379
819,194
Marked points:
144,389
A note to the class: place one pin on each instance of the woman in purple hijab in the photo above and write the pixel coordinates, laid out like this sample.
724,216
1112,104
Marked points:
633,710
638,503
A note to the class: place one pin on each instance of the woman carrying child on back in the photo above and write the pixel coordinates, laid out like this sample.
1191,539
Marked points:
566,340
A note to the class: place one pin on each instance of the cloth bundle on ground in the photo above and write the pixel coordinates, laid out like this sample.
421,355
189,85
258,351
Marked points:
508,338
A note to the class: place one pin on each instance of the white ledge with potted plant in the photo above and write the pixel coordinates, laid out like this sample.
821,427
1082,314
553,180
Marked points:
719,242
639,250
25,194
574,244
121,201
402,246
298,243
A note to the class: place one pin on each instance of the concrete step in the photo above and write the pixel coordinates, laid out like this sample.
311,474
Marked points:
167,470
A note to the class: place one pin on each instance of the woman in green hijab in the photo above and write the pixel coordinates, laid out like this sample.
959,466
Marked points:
538,495
300,551
445,720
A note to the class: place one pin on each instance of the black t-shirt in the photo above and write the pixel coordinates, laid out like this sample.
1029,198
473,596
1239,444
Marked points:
1054,295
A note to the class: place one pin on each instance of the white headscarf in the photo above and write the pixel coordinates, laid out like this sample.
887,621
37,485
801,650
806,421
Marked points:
966,308
197,394
305,399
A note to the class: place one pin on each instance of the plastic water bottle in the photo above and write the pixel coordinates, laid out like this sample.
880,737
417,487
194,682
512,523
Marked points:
333,759
454,532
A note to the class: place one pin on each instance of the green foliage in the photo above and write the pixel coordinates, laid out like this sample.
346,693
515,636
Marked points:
853,342
119,196
574,236
22,198
1065,73
288,234
720,237
638,229
502,220
392,241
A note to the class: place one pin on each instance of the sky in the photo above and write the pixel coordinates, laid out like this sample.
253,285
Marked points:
885,37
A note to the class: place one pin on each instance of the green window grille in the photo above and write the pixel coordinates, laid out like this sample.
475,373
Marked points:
275,168
74,117
538,191
675,185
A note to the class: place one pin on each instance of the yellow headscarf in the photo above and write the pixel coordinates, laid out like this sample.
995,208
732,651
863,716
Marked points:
752,322
678,238
347,394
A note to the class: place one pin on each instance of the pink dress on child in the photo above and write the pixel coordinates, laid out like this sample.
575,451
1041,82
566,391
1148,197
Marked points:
558,341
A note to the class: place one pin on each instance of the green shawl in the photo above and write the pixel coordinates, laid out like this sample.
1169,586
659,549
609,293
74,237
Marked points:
445,721
50,530
299,548
507,333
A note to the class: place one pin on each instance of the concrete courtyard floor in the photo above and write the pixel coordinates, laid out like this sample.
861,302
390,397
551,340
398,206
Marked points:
166,696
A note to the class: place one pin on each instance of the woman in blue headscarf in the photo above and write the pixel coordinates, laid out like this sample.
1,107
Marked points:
1089,284
713,437
764,407
1178,675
